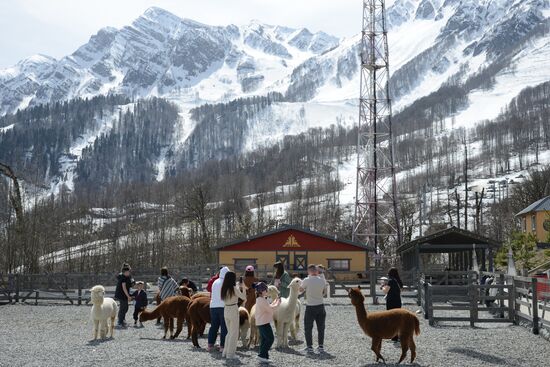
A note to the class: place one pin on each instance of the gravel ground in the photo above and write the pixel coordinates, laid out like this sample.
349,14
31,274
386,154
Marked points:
59,335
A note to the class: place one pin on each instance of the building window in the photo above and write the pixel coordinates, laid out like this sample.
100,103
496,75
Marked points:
338,264
533,223
241,264
524,224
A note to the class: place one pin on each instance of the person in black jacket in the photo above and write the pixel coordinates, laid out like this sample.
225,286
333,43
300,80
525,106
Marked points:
140,299
189,284
122,293
393,292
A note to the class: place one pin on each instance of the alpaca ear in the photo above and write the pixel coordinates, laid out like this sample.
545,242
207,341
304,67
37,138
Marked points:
359,286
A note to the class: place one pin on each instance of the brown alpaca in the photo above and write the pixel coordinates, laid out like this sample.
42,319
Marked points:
184,291
170,308
200,294
198,317
250,299
385,325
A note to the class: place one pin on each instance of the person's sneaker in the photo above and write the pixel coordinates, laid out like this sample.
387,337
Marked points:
262,359
321,349
308,350
209,348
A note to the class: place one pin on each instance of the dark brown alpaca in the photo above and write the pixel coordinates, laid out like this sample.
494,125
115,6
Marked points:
170,308
385,325
198,317
250,299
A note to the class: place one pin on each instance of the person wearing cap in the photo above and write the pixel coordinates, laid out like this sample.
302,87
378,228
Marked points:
122,293
249,276
140,299
264,317
217,306
281,279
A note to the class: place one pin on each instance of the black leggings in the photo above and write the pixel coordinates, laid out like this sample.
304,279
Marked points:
122,310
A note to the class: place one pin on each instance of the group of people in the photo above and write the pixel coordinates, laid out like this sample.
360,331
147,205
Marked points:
226,293
167,286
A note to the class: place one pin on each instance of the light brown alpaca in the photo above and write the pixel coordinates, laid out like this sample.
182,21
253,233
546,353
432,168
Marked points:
170,308
385,325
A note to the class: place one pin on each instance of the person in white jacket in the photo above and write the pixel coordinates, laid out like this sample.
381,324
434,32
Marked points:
216,313
231,293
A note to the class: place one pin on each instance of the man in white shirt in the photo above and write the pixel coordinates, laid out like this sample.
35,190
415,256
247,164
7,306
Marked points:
217,319
315,288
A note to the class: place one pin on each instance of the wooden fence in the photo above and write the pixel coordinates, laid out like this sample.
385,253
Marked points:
509,299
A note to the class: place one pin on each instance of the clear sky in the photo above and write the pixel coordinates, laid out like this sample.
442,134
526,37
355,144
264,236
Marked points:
58,27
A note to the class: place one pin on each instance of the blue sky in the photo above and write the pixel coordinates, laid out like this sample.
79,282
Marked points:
57,27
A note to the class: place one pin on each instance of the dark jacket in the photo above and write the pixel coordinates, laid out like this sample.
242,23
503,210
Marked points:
193,286
393,298
120,279
140,298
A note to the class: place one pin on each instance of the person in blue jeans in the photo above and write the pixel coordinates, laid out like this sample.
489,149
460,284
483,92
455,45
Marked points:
217,319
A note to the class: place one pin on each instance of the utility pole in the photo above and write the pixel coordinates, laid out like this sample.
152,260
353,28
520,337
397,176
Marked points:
376,217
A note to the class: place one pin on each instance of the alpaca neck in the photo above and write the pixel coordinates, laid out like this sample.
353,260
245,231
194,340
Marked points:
362,317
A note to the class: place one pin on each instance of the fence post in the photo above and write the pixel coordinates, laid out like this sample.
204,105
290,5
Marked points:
535,306
36,297
429,305
511,300
426,300
373,286
473,304
16,276
419,289
79,290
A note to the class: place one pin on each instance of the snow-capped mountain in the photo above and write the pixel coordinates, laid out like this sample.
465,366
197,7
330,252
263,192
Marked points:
489,50
160,54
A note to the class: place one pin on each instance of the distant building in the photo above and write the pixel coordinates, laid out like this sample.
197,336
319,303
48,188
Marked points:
296,247
535,219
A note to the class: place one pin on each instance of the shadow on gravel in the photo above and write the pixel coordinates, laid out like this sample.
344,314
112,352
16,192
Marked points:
96,342
167,340
484,357
390,364
288,351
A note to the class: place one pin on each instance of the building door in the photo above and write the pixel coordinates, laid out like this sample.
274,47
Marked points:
300,262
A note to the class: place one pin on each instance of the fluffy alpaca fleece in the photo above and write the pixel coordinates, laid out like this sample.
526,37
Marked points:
295,325
170,308
198,316
385,325
184,291
244,324
254,333
103,309
285,314
200,294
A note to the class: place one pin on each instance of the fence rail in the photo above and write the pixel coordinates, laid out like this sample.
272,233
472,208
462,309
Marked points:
510,299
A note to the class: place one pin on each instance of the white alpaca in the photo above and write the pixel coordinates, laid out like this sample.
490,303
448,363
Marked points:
295,325
285,314
103,309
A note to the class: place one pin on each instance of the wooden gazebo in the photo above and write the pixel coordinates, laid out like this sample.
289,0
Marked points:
456,242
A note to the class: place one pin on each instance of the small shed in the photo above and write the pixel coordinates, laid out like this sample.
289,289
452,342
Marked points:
296,247
458,243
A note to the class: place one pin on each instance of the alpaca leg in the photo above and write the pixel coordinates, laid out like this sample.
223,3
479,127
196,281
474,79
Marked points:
280,341
404,348
412,347
112,326
293,330
166,322
376,345
179,327
96,328
171,327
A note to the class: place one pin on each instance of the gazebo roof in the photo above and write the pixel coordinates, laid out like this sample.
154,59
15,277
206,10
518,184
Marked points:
450,239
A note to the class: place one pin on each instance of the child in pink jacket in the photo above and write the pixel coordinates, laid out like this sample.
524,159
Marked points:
264,317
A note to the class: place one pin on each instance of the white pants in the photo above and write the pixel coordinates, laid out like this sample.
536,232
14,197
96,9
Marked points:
231,316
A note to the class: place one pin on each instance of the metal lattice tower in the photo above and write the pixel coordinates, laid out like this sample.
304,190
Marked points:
376,220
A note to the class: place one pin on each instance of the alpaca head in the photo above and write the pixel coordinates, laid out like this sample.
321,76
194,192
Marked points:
295,284
97,294
273,292
356,296
184,291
